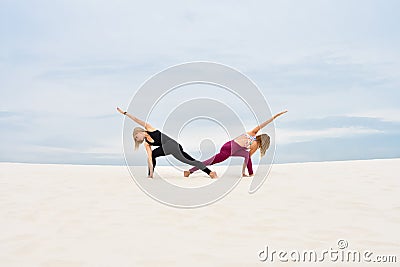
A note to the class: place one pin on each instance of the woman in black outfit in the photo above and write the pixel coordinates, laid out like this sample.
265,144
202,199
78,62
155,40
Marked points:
165,146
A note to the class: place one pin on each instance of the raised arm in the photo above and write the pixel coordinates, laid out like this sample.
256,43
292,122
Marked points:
265,123
144,124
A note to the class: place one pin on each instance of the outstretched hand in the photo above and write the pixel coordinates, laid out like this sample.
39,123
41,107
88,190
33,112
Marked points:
120,110
280,113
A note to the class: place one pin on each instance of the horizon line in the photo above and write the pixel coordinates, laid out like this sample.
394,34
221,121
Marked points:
120,165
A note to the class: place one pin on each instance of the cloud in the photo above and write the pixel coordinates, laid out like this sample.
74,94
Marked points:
286,137
369,146
339,122
333,127
386,115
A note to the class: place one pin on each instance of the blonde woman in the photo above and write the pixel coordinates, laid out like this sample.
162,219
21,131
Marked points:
165,146
244,146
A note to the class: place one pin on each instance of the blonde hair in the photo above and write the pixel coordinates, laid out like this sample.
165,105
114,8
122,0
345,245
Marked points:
137,130
263,141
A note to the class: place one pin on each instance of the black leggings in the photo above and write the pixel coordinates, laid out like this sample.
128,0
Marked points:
175,149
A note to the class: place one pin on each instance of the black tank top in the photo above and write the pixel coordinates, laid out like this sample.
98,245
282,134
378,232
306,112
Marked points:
158,137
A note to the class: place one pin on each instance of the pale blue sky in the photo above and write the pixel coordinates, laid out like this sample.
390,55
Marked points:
66,65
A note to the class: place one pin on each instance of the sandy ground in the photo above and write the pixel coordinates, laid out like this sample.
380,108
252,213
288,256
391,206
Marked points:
72,215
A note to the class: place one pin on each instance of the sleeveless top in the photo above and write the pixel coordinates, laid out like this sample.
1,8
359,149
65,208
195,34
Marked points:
158,137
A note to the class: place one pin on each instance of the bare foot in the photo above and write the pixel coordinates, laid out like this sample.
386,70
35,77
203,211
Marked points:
213,175
186,173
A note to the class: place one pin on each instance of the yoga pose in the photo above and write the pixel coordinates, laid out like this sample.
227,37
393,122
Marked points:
244,146
165,146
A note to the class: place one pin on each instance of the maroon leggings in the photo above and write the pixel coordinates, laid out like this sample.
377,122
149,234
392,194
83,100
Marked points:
229,149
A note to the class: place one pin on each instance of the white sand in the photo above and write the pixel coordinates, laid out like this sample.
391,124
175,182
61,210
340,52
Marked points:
69,215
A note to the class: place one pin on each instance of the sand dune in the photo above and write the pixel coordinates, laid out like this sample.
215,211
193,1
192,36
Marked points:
70,215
